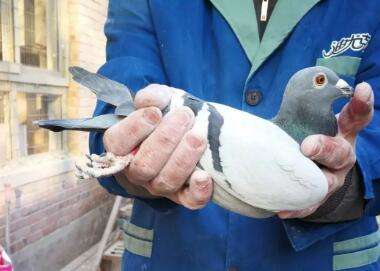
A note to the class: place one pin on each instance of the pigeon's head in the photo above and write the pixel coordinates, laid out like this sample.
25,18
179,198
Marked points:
307,106
319,85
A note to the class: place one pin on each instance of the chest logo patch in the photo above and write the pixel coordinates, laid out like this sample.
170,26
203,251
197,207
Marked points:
356,42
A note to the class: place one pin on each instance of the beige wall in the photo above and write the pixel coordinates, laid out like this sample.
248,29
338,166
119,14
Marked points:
46,197
87,49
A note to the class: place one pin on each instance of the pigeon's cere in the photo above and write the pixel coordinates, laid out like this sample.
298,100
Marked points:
256,164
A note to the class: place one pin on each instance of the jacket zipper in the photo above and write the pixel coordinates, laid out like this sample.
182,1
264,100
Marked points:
264,11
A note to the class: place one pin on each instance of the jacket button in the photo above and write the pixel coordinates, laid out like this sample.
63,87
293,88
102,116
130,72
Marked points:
253,97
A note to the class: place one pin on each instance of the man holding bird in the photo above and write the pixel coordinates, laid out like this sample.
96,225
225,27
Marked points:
242,54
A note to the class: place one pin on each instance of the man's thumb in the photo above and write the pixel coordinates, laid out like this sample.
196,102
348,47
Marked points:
357,113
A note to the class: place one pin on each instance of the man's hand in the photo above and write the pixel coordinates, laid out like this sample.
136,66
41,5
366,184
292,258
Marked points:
337,154
165,163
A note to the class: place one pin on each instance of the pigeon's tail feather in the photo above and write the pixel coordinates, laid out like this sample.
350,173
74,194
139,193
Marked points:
105,89
99,123
125,109
77,72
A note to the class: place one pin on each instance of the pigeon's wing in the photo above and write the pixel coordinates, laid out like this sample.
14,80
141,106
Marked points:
225,199
99,123
105,89
262,165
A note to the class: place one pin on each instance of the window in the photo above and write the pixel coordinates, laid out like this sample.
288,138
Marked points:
6,31
39,35
29,36
2,108
1,35
33,50
4,128
35,25
32,107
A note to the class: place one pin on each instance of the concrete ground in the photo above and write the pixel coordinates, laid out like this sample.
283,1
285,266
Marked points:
85,262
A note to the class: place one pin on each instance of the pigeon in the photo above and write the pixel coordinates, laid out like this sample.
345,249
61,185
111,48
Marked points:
256,164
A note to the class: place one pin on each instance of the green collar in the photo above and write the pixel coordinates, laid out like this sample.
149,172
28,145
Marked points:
241,16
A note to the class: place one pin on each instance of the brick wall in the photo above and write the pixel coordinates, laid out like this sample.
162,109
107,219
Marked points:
42,208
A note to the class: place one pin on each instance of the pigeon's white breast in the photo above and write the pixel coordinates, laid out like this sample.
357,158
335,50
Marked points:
262,165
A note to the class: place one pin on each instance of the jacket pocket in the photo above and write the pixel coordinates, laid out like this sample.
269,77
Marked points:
357,252
346,66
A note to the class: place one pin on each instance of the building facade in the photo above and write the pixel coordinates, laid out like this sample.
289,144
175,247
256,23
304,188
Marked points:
45,210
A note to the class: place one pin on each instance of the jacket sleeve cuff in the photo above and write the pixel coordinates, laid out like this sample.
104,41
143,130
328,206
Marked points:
370,173
347,203
366,171
304,233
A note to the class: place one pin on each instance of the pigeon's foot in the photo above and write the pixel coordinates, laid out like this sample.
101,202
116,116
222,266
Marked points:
102,165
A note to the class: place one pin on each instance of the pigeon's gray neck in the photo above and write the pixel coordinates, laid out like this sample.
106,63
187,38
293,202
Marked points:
303,118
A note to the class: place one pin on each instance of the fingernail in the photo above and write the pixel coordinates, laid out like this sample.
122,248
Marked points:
202,179
310,146
368,96
290,214
185,116
194,141
151,116
202,183
364,90
284,215
162,91
163,96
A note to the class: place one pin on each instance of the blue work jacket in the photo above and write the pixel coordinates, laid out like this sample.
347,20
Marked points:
212,50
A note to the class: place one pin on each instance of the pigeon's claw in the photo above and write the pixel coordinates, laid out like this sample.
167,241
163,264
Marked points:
97,166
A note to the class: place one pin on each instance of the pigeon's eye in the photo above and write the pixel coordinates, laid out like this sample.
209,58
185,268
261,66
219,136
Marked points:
320,80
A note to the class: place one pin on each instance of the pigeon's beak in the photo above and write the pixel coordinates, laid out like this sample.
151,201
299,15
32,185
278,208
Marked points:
345,88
